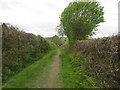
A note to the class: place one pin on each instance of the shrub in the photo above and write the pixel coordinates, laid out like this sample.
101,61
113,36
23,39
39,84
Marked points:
102,59
19,50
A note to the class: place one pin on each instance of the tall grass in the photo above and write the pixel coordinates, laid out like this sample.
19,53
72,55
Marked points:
72,73
35,72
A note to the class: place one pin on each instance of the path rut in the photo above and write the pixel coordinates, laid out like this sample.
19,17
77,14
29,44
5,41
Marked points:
54,73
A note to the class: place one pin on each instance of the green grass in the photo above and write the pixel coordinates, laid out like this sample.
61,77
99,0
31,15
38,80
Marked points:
67,74
27,77
36,75
72,75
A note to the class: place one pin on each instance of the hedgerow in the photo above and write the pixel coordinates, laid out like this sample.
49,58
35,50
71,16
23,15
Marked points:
101,59
20,49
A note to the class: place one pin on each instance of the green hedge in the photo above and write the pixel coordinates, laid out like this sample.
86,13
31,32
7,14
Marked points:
19,50
102,59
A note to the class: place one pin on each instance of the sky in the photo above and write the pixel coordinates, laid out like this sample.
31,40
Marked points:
42,16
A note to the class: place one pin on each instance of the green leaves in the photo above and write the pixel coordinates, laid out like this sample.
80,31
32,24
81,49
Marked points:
79,19
20,49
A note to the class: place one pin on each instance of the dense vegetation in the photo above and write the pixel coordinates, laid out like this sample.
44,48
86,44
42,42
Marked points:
19,50
79,20
73,72
90,63
38,71
56,40
96,58
101,59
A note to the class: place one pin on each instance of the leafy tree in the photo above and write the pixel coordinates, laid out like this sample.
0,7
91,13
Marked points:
56,40
79,20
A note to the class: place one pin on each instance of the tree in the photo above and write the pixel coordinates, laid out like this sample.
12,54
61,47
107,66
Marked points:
79,20
56,40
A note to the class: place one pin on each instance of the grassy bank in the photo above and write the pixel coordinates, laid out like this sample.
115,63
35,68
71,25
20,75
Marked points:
72,74
19,50
29,75
101,57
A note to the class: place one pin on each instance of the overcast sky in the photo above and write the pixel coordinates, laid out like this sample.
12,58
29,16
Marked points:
42,16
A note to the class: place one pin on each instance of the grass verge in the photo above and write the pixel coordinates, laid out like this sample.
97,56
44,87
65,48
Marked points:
72,74
28,77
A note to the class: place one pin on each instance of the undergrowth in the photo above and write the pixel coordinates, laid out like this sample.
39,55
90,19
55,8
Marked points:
28,76
73,72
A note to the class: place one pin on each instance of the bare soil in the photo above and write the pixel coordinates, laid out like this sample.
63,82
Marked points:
54,73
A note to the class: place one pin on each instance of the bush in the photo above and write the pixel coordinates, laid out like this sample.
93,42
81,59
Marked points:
102,59
19,50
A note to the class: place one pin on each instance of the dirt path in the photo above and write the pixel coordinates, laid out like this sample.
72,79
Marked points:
49,77
43,73
54,73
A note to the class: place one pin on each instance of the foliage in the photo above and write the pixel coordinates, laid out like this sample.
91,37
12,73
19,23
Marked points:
102,59
79,20
19,50
72,73
32,73
57,40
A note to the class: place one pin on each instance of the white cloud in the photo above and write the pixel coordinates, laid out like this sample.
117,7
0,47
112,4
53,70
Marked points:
110,26
42,16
